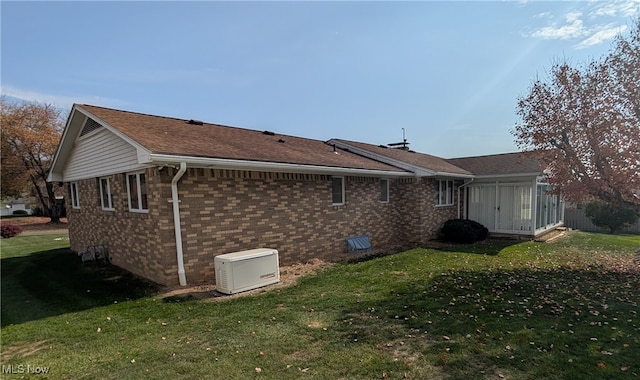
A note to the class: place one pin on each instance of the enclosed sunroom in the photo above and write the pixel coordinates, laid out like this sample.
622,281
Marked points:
522,208
509,195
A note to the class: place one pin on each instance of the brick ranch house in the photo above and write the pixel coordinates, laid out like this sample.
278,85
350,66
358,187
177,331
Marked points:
167,195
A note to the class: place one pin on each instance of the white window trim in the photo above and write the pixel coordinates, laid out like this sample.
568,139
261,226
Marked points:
443,202
75,198
343,192
386,190
108,207
139,208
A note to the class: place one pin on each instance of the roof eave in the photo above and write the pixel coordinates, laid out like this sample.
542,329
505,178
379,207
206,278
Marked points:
454,175
508,175
64,147
224,163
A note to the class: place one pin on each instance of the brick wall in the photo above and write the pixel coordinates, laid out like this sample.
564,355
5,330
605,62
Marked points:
137,242
227,210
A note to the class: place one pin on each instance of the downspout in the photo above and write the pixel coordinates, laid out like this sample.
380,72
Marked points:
460,187
176,222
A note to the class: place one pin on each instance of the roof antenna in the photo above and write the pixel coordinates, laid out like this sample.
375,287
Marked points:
404,145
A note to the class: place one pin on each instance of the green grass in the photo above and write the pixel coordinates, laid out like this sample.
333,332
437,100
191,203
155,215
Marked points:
499,309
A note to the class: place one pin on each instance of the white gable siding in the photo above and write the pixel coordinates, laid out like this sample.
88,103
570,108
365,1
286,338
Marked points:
98,154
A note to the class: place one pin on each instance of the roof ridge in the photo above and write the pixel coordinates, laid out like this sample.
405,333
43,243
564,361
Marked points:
204,122
131,112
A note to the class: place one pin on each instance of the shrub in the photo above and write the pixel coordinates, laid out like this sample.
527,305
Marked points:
21,212
10,230
463,231
606,215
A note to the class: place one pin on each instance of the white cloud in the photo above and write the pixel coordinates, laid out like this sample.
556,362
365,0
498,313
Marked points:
62,101
625,8
574,28
603,21
601,36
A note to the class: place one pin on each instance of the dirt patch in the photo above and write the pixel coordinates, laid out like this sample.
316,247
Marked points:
22,350
289,275
552,235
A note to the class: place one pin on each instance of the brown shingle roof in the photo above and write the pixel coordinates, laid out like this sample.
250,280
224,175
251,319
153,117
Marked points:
172,136
499,164
421,160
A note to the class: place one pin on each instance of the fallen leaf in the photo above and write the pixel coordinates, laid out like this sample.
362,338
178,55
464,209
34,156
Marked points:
601,365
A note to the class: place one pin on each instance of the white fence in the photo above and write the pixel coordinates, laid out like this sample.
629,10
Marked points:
576,219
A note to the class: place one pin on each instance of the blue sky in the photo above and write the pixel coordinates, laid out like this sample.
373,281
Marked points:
449,73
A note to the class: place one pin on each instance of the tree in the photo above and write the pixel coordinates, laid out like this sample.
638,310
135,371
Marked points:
584,123
30,135
614,218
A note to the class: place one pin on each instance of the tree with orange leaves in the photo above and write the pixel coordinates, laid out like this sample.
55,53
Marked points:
30,135
584,123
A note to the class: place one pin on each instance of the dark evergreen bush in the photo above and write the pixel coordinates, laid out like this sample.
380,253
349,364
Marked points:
10,230
606,215
463,231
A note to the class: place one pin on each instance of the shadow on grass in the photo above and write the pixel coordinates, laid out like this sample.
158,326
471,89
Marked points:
529,322
491,246
55,282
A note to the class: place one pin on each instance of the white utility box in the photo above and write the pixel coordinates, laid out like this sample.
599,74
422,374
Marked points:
245,270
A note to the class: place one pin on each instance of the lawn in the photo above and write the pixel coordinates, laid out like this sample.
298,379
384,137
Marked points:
495,310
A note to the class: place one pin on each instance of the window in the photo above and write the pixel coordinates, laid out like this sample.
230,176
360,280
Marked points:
73,190
105,194
337,190
137,192
444,193
384,190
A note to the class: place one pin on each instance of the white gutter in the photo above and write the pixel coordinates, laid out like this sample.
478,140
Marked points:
454,175
224,163
176,222
460,187
514,175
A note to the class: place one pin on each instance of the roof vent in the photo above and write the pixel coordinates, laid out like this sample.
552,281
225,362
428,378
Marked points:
268,133
89,126
195,122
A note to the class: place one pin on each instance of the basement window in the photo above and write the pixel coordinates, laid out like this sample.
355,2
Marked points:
337,190
137,192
